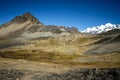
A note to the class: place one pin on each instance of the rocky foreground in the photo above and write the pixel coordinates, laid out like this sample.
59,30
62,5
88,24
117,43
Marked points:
79,74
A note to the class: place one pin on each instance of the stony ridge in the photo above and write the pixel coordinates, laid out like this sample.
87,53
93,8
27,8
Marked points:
26,17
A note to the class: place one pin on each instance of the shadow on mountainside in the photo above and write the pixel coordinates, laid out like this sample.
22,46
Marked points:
9,43
106,45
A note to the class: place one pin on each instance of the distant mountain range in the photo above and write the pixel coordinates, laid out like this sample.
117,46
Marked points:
102,28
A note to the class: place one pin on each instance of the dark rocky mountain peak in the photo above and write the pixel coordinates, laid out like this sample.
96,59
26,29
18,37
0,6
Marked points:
26,17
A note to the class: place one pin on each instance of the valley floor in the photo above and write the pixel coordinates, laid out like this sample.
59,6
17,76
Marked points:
57,60
11,69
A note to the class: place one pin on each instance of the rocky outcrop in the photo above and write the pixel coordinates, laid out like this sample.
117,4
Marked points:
26,17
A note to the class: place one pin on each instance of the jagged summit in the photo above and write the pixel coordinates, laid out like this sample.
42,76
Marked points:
26,17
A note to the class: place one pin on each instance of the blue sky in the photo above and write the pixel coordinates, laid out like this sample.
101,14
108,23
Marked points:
78,13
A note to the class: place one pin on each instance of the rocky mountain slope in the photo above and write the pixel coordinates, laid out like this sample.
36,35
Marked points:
27,26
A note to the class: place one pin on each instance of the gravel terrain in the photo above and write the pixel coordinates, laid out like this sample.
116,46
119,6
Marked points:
78,74
11,74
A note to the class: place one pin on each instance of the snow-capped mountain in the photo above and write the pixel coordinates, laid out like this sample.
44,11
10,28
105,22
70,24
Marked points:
102,28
